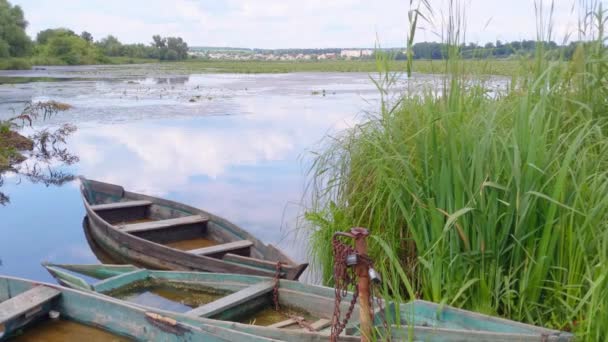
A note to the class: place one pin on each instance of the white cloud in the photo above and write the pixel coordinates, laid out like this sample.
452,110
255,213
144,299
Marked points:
284,23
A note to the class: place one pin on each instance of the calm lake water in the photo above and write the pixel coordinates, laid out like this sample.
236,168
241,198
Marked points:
235,145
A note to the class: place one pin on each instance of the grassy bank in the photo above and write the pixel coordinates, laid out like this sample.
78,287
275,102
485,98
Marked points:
495,67
487,66
494,202
27,63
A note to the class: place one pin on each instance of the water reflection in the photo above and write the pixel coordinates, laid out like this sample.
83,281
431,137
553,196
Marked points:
237,150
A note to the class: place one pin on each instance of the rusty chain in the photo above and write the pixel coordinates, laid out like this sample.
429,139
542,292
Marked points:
342,279
382,313
275,290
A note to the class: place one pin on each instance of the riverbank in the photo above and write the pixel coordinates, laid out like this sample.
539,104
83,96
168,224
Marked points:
11,145
486,66
27,63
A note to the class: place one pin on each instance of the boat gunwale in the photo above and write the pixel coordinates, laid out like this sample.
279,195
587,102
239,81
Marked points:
292,269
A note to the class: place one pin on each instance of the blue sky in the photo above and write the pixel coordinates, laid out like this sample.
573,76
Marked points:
284,23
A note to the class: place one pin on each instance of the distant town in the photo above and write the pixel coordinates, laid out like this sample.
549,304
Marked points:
280,55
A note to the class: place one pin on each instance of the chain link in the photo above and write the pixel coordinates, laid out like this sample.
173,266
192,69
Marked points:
342,279
344,276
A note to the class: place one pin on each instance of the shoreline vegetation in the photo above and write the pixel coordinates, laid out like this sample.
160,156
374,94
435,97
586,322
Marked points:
492,201
486,67
43,147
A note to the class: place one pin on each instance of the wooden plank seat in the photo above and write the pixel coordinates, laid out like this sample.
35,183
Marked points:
26,301
242,245
232,300
162,224
120,205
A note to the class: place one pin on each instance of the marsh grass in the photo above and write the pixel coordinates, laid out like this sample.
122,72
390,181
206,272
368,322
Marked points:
495,202
506,67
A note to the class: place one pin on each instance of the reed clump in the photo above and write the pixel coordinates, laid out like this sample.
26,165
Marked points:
493,201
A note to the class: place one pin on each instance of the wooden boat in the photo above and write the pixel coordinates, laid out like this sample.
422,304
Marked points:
166,235
27,306
227,299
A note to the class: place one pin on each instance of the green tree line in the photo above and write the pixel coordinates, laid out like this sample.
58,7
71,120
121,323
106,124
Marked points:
434,50
64,46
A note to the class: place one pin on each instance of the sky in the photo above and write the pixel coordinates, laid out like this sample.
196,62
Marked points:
286,23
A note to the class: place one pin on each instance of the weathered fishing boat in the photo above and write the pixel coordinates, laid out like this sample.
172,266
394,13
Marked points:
69,315
247,304
161,234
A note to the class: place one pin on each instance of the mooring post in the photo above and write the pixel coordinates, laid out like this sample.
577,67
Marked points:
362,270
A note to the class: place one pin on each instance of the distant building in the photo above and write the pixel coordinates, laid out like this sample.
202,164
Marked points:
350,53
327,56
367,53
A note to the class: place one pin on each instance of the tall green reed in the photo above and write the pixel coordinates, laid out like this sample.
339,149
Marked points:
490,201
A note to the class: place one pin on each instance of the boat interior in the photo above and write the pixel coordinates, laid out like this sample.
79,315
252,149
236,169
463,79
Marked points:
176,226
228,297
30,313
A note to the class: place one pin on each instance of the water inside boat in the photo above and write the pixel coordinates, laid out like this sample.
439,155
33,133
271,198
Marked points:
268,316
167,296
181,297
61,330
190,244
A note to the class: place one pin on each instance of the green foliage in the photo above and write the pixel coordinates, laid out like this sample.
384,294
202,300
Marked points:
493,201
14,42
44,36
71,49
15,64
110,46
86,36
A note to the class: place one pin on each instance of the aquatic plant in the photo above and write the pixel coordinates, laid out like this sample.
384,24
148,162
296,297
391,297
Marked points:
490,200
44,146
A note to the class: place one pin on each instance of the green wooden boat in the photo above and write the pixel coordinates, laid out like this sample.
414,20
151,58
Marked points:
166,235
245,304
26,305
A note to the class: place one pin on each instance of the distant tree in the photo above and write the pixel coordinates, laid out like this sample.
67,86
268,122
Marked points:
170,48
72,49
171,55
111,46
44,36
86,36
159,42
178,45
13,39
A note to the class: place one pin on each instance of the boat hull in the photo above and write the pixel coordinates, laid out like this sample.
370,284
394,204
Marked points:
130,248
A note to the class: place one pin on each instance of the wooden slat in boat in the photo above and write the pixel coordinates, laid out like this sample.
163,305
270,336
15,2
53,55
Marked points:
26,301
283,324
121,280
223,248
252,261
121,205
232,300
319,324
162,224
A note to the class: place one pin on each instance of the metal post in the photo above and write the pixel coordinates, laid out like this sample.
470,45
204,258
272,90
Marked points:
362,270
